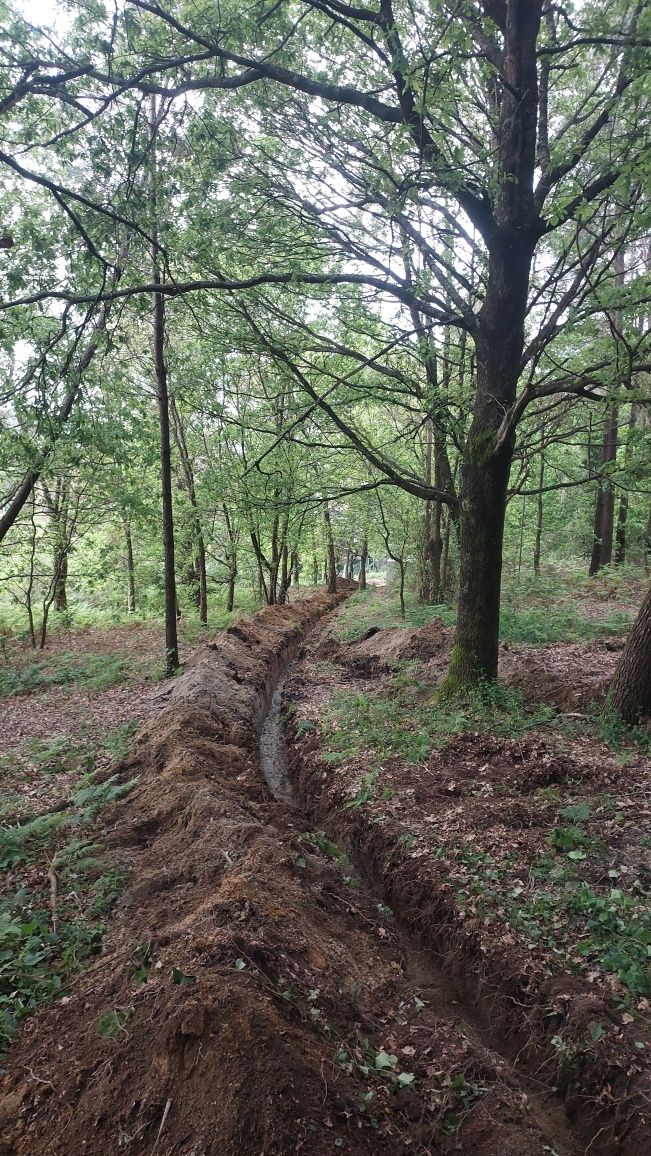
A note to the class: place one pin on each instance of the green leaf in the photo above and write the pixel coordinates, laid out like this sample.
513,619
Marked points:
580,811
181,979
405,1078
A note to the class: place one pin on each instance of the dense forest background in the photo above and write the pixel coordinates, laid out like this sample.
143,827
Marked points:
290,288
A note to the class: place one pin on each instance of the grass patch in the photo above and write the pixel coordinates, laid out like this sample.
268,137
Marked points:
367,608
88,671
538,625
413,721
535,625
37,954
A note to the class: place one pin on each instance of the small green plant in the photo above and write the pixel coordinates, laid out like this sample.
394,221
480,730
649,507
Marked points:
118,742
570,840
115,1021
303,726
320,840
91,671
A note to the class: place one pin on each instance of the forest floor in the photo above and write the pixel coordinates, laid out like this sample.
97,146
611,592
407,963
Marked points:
440,942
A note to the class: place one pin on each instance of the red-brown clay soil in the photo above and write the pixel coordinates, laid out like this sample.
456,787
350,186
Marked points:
255,997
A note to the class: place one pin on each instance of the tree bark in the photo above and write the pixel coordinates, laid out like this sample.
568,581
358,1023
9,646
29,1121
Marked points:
331,567
162,397
57,503
539,518
199,547
630,691
231,558
499,341
362,564
622,514
486,466
285,573
131,569
604,517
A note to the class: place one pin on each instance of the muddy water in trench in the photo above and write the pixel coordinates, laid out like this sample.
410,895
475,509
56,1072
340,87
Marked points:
273,750
421,975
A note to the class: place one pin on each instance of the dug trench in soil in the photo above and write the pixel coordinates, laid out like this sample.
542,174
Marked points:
537,1021
252,996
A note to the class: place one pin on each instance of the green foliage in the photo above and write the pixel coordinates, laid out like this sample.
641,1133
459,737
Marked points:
113,1022
34,959
415,720
569,840
564,624
119,742
618,934
367,609
89,671
610,927
20,843
320,840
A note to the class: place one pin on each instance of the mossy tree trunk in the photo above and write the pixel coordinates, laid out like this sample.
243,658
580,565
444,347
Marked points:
630,691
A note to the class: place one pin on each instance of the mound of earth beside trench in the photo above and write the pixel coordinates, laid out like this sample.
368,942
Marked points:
164,1035
253,996
566,676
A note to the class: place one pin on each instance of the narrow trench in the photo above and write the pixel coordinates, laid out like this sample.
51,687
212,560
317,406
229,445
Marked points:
421,974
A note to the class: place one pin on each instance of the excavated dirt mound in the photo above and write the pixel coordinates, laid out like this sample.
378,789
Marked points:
167,1033
377,651
567,676
252,997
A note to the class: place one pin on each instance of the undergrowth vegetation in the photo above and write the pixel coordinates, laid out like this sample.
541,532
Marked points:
575,888
59,888
412,720
88,671
533,613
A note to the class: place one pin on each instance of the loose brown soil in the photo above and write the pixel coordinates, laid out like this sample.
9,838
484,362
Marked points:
432,837
256,996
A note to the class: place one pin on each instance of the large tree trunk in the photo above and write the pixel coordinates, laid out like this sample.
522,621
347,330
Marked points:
486,465
630,691
499,340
